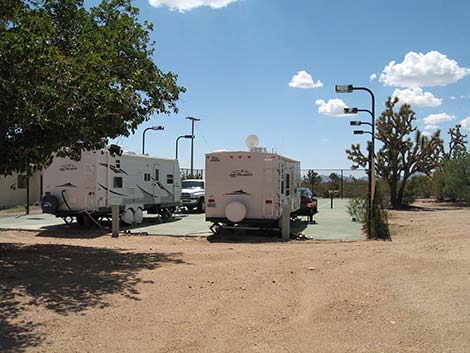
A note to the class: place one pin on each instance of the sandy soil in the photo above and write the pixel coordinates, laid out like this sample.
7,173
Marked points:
161,294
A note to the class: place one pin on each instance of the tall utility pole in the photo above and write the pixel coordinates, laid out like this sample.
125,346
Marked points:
192,141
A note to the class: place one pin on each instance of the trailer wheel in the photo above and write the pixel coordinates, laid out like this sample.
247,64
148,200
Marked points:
201,206
127,216
138,216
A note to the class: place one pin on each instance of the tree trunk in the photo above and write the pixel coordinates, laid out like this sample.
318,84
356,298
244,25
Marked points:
401,192
393,184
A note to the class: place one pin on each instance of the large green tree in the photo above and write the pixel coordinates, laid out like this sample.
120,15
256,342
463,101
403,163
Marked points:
73,77
401,155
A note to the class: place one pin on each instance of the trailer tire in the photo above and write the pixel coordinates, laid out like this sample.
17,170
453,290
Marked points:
49,204
201,206
235,211
138,216
127,217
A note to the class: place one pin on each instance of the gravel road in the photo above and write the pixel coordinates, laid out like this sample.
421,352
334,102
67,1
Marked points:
64,293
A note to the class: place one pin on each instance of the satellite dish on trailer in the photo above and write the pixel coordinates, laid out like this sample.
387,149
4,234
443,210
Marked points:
252,141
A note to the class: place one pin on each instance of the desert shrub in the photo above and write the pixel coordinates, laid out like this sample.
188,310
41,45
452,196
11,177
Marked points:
357,208
420,186
438,185
457,179
380,225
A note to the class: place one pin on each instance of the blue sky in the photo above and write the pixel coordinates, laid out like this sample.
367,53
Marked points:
237,57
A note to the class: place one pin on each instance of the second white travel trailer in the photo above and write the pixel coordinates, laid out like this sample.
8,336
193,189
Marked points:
250,189
100,179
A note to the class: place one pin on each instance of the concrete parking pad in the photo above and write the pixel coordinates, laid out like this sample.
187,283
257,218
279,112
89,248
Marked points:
39,221
332,224
179,225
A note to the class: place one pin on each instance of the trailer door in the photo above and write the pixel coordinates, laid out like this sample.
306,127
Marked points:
157,191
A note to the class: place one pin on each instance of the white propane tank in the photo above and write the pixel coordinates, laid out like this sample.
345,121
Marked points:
235,211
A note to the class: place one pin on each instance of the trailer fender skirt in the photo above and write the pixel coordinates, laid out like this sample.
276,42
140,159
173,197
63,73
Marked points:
235,211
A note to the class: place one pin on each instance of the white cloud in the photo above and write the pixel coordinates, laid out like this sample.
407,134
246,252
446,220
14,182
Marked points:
453,97
373,77
434,119
426,133
421,70
431,127
188,5
302,79
466,123
334,107
416,97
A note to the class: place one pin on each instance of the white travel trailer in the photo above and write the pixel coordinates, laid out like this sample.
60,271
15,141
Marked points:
250,189
89,187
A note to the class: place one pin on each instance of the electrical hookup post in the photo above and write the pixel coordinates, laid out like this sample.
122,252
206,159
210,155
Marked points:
285,223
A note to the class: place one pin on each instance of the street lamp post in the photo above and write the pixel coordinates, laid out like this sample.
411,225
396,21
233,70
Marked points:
177,140
157,127
193,120
350,89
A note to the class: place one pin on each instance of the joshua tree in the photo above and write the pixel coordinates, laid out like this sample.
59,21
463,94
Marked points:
400,156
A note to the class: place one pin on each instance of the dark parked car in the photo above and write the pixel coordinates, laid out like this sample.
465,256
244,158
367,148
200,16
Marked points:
308,204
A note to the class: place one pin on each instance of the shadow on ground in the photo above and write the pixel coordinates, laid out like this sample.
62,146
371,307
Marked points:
255,236
64,279
77,231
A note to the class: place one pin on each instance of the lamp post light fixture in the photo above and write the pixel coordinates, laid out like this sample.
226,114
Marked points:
156,127
181,137
361,132
350,89
344,88
350,110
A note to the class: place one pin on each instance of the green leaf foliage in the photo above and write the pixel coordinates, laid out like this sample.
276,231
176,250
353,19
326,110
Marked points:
456,175
72,77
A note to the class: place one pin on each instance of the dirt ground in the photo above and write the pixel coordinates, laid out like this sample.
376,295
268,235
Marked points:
162,294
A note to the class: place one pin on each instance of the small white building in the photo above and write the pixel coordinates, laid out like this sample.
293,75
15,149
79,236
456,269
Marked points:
13,189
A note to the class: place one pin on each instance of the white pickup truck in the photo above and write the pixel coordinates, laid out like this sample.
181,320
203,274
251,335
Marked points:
192,194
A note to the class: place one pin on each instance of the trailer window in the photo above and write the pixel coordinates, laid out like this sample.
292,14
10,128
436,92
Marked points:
169,178
117,182
287,184
146,176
